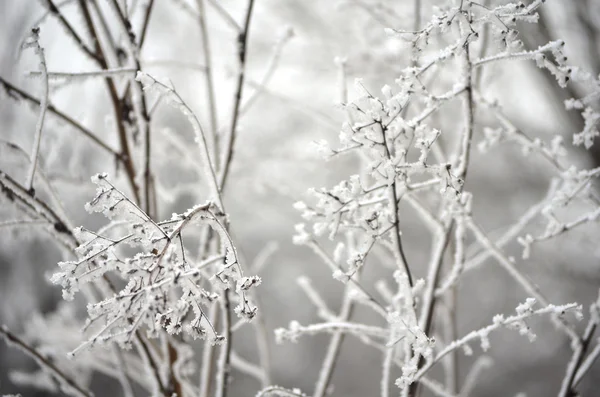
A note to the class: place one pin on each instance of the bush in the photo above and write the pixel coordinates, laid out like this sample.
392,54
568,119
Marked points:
432,196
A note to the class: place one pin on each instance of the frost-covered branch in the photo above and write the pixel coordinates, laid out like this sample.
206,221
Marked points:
69,76
209,82
150,83
154,275
530,288
524,311
34,43
56,12
242,52
577,359
18,94
68,385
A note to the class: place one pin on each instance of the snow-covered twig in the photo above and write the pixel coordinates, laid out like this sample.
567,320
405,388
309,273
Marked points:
129,72
34,42
524,311
150,83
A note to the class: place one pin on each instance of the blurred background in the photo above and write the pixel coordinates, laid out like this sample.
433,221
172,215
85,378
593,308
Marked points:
275,163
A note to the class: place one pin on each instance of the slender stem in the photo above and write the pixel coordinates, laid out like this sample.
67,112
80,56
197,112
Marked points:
207,355
451,333
17,93
209,81
35,152
225,15
151,365
388,358
146,23
417,15
464,150
334,348
262,345
112,53
70,386
178,102
230,138
224,365
139,105
474,375
467,137
566,388
261,86
54,10
587,364
116,103
175,387
83,75
527,285
396,232
122,375
17,193
474,335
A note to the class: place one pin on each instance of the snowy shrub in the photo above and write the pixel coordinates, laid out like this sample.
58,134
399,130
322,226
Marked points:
160,304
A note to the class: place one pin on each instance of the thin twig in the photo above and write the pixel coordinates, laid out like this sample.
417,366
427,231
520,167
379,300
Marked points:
139,105
227,151
103,32
17,93
44,16
146,23
69,386
393,199
270,70
37,208
126,156
334,347
35,44
130,72
262,345
209,81
207,355
151,364
122,373
225,15
150,82
474,375
224,365
568,383
586,365
464,151
60,208
54,10
498,323
520,278
247,367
